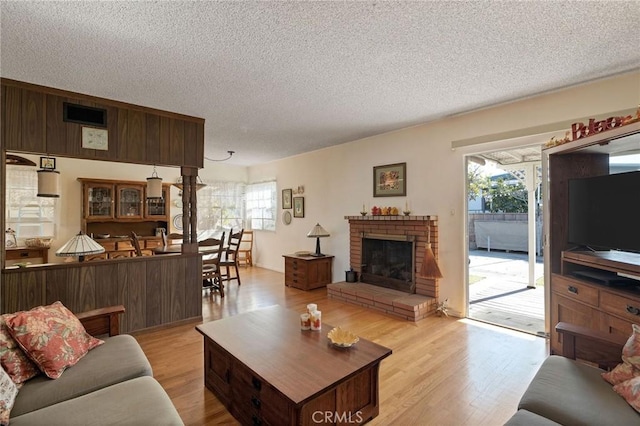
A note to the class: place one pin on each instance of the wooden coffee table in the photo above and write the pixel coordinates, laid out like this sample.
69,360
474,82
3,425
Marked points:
265,370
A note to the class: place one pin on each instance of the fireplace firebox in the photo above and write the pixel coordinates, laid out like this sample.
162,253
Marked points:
387,261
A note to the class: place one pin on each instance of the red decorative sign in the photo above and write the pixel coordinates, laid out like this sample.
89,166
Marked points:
580,130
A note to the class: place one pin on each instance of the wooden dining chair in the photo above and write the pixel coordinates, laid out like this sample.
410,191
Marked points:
172,238
135,241
211,276
230,256
245,252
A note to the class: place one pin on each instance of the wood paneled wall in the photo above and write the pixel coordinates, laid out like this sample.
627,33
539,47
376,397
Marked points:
32,121
155,290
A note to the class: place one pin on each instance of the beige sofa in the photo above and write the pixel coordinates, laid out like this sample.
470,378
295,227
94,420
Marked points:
568,392
112,384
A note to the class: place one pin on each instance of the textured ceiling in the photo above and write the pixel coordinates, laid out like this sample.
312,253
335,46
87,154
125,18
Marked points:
275,79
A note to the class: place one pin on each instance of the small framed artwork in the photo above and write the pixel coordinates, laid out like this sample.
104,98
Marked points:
390,180
47,163
286,198
298,206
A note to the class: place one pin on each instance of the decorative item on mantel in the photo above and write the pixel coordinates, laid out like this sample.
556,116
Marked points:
430,268
384,211
406,210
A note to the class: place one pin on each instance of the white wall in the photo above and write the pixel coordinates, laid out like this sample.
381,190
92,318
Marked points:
338,180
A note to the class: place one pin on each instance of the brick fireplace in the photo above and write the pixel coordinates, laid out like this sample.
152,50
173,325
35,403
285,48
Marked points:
421,298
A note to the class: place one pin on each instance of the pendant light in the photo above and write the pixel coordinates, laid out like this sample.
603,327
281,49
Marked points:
48,178
154,185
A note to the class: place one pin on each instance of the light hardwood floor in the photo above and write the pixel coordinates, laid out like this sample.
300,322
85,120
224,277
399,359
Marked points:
443,371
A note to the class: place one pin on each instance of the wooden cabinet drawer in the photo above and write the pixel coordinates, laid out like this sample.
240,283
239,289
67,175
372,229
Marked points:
124,245
257,399
108,246
217,367
296,265
620,305
152,243
101,256
575,290
616,326
118,254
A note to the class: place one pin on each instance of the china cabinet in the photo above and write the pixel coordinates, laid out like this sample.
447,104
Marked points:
121,200
129,201
113,209
99,200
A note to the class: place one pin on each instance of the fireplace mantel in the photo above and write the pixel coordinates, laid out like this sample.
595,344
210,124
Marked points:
391,217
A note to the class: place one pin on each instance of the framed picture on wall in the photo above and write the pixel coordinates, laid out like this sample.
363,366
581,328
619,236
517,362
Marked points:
286,198
298,206
390,180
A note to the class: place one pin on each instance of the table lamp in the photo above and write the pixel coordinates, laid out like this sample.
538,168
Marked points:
80,245
317,232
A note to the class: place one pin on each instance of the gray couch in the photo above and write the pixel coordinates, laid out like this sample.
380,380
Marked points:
112,384
567,392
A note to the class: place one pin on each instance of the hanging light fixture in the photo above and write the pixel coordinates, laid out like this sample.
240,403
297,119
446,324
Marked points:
199,183
154,185
48,178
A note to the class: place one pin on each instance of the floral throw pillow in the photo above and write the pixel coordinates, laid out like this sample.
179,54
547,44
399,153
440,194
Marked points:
621,373
630,391
631,349
8,393
630,366
52,337
13,360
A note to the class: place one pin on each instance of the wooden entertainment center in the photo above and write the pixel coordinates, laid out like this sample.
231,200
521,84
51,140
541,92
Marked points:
595,289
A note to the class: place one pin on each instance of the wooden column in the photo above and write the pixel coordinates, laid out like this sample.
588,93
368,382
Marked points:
189,210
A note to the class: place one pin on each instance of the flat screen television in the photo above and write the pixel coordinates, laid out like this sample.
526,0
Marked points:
604,212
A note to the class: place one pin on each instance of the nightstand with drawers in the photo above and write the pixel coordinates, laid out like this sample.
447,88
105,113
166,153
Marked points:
307,272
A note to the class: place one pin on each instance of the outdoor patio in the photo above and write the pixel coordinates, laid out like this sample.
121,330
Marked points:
498,291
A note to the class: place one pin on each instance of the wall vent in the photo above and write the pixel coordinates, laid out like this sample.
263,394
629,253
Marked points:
81,114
